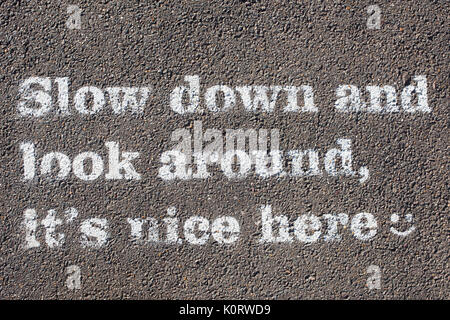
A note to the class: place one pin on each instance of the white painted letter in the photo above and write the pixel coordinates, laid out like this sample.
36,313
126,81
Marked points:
172,226
297,163
244,164
351,102
189,228
80,100
174,166
333,221
94,228
375,99
128,98
359,227
41,97
276,166
63,95
50,223
225,225
308,99
267,228
28,160
62,161
346,159
30,223
229,99
78,166
176,97
305,223
115,165
422,98
260,99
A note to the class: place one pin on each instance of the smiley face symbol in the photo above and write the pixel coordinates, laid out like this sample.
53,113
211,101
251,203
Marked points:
395,219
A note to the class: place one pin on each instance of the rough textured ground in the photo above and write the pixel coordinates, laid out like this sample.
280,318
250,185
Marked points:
321,43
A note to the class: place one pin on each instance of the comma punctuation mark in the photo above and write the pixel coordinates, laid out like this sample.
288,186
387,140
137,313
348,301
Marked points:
74,21
73,280
374,281
374,20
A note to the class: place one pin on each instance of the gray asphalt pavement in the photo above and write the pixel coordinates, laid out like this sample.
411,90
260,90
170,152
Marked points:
323,44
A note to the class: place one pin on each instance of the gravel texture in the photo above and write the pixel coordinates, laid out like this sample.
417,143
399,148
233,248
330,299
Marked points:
156,43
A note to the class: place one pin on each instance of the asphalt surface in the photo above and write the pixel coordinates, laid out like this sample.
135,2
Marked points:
156,43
